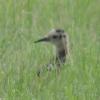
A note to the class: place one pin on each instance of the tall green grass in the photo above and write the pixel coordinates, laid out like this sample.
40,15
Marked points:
24,21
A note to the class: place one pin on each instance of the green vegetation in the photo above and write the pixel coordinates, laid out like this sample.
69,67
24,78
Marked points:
24,21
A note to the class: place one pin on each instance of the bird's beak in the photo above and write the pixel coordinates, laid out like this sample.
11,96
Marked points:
45,39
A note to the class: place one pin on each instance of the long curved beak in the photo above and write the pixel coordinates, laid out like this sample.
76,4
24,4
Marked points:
45,39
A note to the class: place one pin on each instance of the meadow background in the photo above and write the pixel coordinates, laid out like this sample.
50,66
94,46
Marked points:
24,21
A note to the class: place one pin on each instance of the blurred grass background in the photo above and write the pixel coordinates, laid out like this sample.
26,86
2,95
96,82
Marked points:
24,21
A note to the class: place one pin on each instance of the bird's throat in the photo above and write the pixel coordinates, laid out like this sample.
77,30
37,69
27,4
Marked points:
61,54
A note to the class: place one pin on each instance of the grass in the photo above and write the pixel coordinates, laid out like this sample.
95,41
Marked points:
24,21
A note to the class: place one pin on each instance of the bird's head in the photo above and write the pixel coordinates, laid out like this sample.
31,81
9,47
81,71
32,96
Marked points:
55,36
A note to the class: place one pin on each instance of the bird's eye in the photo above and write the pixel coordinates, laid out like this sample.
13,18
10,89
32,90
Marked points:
64,36
55,37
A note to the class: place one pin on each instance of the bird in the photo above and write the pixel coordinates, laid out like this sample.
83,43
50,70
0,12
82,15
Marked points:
59,38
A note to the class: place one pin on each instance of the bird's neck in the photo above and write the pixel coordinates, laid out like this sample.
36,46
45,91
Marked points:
61,53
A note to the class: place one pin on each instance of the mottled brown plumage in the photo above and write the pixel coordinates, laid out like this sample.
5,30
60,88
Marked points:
60,40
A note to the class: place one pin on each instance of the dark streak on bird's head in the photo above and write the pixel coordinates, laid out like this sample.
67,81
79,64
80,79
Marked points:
59,30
